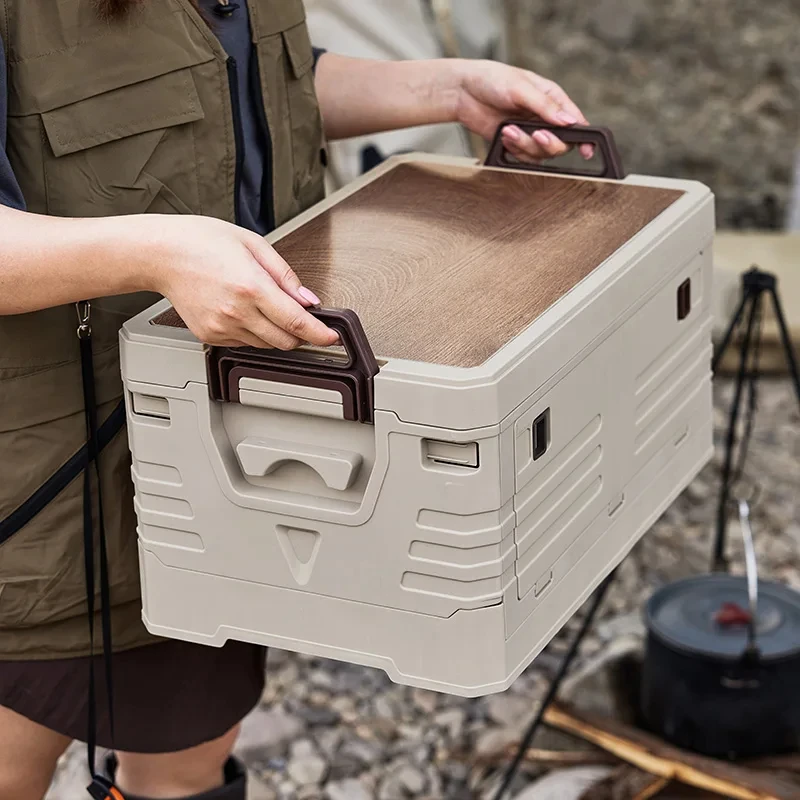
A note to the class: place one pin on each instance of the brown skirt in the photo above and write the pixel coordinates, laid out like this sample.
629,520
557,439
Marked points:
168,696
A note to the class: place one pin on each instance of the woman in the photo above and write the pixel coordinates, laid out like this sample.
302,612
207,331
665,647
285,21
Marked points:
149,144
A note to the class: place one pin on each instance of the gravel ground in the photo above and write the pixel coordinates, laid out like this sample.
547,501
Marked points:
332,731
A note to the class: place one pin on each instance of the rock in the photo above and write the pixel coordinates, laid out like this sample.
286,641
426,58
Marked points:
494,740
510,710
566,784
317,716
623,625
305,765
277,658
452,720
425,701
412,733
257,789
603,685
328,740
343,705
365,753
402,780
387,707
322,679
287,791
264,729
347,790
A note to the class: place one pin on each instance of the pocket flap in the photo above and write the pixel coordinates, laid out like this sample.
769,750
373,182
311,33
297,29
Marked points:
108,57
298,48
160,102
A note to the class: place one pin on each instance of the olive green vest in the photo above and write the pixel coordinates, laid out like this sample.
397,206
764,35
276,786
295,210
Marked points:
116,118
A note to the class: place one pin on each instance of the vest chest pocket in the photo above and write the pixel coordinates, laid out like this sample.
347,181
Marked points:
125,151
286,60
307,132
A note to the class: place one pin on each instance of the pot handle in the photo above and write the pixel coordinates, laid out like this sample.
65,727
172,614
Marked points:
751,566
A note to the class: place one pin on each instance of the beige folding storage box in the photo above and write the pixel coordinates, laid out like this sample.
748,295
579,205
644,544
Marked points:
525,390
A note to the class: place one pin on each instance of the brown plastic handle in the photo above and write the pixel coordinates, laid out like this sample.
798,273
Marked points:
355,375
601,138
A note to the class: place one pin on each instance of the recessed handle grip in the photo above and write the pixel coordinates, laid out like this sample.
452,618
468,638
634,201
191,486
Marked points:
601,138
337,468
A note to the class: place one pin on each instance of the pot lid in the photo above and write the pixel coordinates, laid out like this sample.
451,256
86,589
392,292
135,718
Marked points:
707,615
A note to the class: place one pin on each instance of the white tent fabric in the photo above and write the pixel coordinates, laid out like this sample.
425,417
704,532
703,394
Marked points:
403,29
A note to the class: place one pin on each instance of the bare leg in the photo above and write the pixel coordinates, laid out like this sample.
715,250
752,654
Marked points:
165,776
28,756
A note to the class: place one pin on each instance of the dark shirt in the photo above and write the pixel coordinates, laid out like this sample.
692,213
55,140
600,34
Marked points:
233,33
10,195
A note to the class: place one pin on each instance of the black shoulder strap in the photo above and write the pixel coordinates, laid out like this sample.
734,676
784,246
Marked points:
67,473
100,788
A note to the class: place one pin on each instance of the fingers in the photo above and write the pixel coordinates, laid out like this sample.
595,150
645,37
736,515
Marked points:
280,272
563,99
555,107
536,100
281,310
531,148
283,301
556,93
257,312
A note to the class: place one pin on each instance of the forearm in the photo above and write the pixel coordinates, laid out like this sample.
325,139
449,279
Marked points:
49,261
362,96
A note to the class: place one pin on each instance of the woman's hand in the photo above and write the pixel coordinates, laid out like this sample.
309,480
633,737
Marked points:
359,97
230,287
489,92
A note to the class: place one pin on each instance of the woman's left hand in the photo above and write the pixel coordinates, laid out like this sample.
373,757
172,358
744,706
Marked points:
489,92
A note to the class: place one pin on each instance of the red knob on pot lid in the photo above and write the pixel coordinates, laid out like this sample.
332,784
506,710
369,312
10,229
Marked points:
706,615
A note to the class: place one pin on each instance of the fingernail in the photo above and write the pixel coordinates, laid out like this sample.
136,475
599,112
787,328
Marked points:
307,294
567,119
512,132
543,137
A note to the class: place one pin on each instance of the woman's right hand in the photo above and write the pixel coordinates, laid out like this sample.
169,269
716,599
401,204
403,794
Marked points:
229,286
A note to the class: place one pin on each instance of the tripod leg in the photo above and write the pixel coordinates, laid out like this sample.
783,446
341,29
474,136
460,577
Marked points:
726,339
719,559
555,685
787,342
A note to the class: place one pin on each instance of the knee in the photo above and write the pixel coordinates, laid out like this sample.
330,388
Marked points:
180,774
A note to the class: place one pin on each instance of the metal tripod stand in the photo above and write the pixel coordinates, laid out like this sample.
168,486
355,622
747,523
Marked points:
755,285
555,685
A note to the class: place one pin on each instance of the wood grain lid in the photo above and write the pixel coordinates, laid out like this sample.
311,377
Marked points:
446,264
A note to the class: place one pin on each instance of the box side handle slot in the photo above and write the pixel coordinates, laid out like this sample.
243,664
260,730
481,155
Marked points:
337,468
451,454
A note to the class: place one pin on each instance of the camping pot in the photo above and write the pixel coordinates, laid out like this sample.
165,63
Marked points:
721,674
